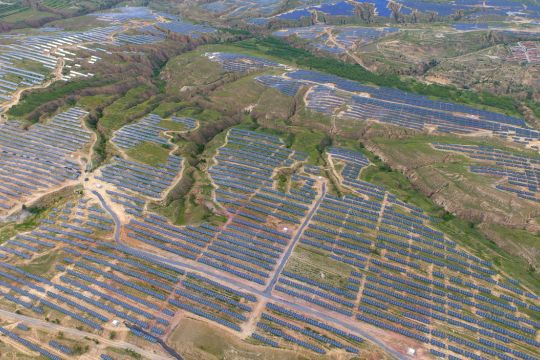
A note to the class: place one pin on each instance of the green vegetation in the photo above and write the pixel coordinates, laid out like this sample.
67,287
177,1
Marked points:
207,342
33,100
79,349
94,101
166,109
149,153
43,264
23,14
171,125
31,65
31,222
10,8
135,103
308,261
308,141
58,4
278,48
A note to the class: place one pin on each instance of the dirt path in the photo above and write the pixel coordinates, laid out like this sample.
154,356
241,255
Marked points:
34,322
57,75
332,39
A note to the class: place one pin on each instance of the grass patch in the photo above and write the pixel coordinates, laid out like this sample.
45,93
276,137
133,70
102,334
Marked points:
127,352
149,153
9,230
204,341
93,101
166,109
171,125
200,114
307,141
31,101
307,261
42,265
120,112
25,15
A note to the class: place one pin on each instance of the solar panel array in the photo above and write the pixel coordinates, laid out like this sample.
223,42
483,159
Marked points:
242,8
142,179
406,247
404,276
471,26
397,272
476,7
522,173
398,96
354,162
337,8
51,46
148,130
245,247
125,14
96,281
240,63
39,159
358,36
45,50
285,86
75,221
343,36
332,95
138,39
306,32
281,322
28,344
185,28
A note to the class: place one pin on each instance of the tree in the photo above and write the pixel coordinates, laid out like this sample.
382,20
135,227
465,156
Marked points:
369,11
359,11
326,141
459,14
414,16
491,37
314,17
395,8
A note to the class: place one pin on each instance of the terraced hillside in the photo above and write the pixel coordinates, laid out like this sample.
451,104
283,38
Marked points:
380,263
483,203
196,190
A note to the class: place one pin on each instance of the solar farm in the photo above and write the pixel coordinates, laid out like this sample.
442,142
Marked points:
120,264
392,106
47,54
240,63
520,172
349,37
383,8
205,180
332,95
42,158
36,61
